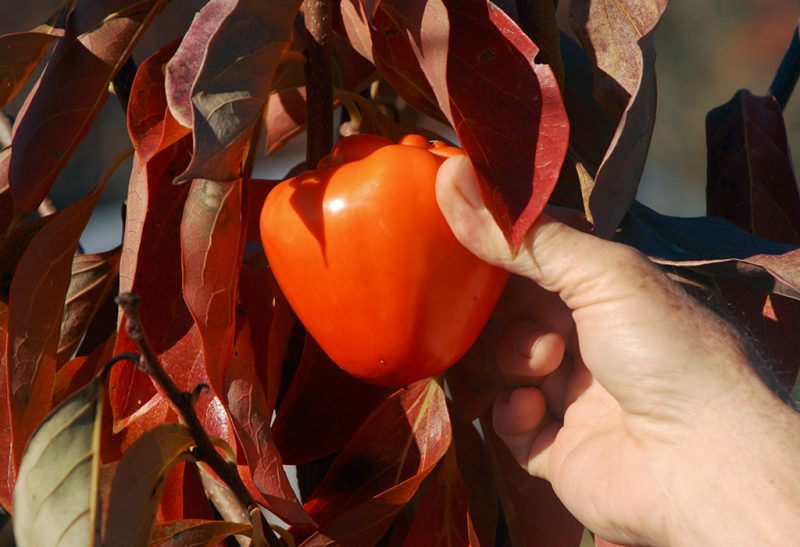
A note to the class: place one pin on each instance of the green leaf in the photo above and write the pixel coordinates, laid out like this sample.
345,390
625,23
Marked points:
55,498
139,481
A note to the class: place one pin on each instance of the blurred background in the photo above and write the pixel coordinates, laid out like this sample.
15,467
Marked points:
707,50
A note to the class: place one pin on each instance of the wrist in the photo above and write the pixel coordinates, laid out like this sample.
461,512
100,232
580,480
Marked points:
740,479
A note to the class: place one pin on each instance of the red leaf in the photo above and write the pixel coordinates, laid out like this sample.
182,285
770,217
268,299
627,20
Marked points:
220,77
251,417
381,467
150,264
443,516
322,409
285,117
68,96
80,371
212,242
619,38
36,304
534,515
514,130
20,52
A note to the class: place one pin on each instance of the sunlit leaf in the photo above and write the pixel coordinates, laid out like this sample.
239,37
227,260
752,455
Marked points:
618,37
219,79
251,417
56,495
20,52
71,91
515,130
150,264
212,242
94,276
138,482
196,533
36,304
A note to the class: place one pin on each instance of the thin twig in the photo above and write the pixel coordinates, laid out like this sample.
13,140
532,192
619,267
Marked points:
319,79
788,72
182,402
122,82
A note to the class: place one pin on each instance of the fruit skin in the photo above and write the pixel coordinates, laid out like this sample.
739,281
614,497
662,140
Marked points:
370,266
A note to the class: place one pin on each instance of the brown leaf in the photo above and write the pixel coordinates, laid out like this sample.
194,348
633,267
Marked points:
322,408
20,52
751,182
381,467
251,417
69,94
219,79
196,533
618,37
138,482
751,178
93,278
36,305
533,513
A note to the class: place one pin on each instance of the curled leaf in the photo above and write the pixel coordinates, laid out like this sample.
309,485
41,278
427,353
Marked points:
219,79
618,36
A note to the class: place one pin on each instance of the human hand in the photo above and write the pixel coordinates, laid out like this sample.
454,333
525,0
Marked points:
639,405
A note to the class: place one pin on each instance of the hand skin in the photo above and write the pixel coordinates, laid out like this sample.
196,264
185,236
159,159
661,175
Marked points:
639,405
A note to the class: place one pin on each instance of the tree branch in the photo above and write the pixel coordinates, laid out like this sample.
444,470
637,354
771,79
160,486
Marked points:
319,79
788,72
182,402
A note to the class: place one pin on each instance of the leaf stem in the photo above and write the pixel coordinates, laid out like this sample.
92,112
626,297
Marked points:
319,79
788,72
204,449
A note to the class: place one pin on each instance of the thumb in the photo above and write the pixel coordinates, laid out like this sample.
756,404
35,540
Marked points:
558,257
